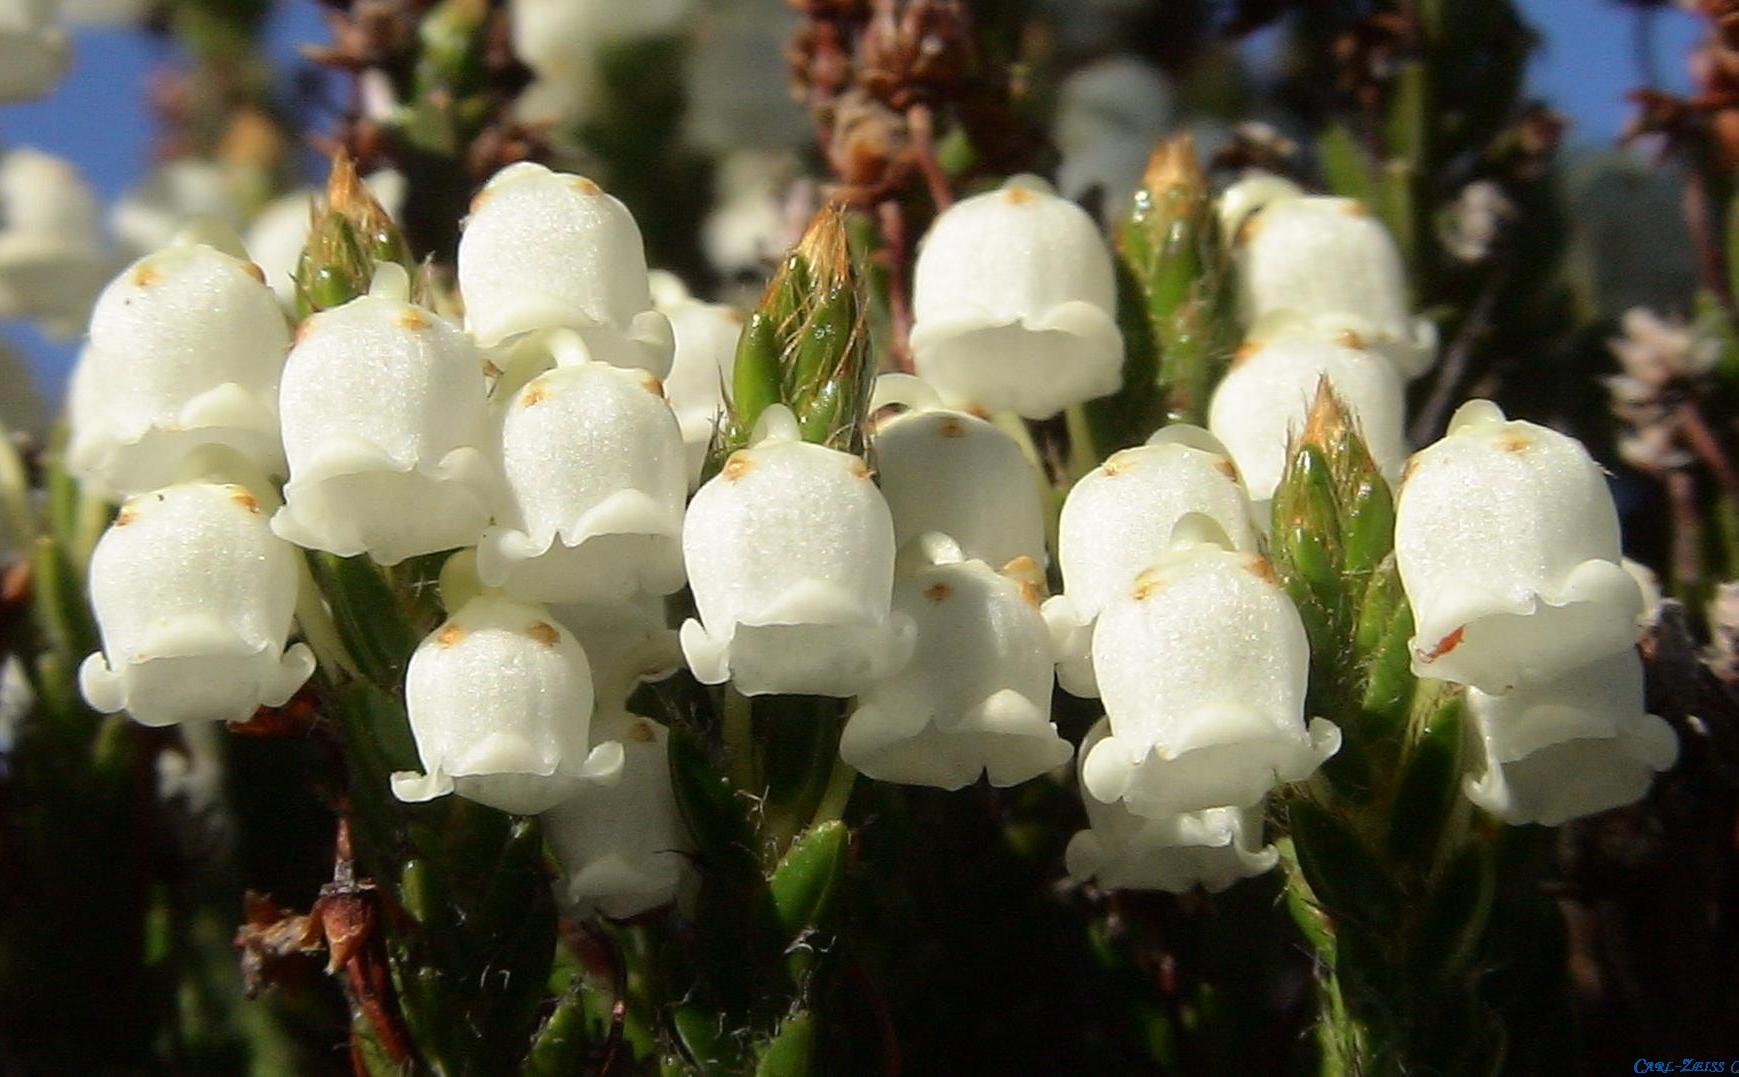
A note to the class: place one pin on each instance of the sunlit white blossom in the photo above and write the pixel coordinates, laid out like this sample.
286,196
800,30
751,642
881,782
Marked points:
546,249
952,472
500,703
1562,749
194,596
622,846
975,698
790,555
186,350
596,478
384,427
1211,848
1507,543
1202,666
1015,301
1330,262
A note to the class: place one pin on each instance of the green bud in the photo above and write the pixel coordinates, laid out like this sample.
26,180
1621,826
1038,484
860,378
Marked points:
349,235
1172,302
807,344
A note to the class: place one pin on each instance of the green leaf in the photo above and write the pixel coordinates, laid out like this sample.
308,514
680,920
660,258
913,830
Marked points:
1347,878
370,620
807,877
1449,934
1429,789
791,1052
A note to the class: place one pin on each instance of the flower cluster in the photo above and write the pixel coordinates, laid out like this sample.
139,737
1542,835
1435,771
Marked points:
553,436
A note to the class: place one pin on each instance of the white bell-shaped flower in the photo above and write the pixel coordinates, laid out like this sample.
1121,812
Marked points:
1211,848
194,597
976,697
790,554
623,847
180,194
384,426
596,480
53,260
1332,263
1266,397
1014,300
1247,196
34,48
954,473
1202,665
186,350
699,385
500,703
546,249
1570,747
1119,518
626,643
1507,542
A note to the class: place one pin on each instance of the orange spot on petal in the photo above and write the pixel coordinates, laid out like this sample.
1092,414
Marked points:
450,634
544,632
1445,645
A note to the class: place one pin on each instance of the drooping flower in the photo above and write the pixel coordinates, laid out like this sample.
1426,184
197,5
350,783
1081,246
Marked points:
1330,262
1015,301
623,846
1266,396
1118,519
1211,848
544,250
596,479
626,644
53,259
384,427
500,703
790,554
194,597
1507,543
1202,665
951,472
186,350
976,697
1569,747
34,48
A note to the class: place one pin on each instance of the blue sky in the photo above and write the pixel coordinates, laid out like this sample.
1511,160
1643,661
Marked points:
98,117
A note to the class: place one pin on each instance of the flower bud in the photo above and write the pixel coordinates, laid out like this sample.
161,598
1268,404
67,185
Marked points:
1507,543
194,596
623,847
52,257
34,49
1015,300
1570,747
1329,261
1119,518
1211,848
1202,665
383,413
547,249
596,482
699,384
976,697
500,703
790,554
188,347
950,472
1266,396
